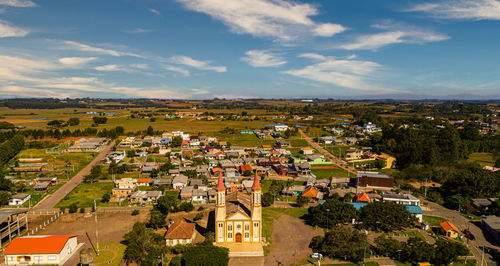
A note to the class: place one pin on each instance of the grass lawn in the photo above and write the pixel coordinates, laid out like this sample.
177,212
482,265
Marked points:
389,171
246,140
327,173
474,217
85,193
483,158
433,220
110,254
298,143
265,184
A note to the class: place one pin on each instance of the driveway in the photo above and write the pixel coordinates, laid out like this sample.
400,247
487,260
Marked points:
50,201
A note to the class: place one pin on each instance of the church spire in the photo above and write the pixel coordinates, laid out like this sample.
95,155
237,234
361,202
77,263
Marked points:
256,184
220,184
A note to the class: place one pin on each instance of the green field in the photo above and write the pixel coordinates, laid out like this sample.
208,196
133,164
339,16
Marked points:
110,254
483,158
85,193
328,173
433,220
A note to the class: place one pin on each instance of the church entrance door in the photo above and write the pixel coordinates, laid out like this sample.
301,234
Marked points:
238,238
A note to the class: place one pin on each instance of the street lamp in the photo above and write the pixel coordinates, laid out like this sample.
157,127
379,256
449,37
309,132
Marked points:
327,218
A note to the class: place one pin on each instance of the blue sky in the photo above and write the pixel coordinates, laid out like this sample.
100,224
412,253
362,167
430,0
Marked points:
199,49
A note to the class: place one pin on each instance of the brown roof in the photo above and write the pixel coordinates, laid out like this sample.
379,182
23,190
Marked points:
238,201
182,230
310,192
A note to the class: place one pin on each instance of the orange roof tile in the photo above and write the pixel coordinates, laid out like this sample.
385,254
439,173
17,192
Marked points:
245,167
182,230
38,244
143,180
363,197
310,192
447,226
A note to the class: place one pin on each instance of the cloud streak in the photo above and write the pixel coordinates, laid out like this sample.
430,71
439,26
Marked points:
17,3
461,9
179,70
351,74
72,45
8,30
76,62
278,19
262,58
203,65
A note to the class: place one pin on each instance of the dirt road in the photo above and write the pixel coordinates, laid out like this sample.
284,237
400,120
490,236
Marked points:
290,237
50,202
464,223
335,160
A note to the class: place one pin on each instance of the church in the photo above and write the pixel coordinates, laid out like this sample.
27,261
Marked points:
238,220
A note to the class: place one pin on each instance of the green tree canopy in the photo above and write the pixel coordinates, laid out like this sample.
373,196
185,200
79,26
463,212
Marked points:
387,216
342,243
332,212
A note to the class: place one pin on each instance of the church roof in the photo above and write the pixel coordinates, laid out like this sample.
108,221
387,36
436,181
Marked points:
256,184
220,184
238,201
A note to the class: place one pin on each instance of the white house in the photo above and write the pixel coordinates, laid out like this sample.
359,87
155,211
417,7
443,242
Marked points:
40,249
405,199
280,127
180,181
19,199
180,233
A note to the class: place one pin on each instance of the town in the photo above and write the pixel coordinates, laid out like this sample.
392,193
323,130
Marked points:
115,186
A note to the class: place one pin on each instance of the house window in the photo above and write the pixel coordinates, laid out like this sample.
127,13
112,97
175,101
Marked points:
238,226
38,257
247,235
255,224
52,257
229,235
10,258
230,227
247,227
221,225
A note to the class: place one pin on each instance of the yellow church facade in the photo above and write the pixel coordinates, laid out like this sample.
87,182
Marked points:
238,220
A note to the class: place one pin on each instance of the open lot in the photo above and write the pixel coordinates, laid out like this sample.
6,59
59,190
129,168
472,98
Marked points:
85,193
483,158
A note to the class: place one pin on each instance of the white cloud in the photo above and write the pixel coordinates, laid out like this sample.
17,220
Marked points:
393,34
8,30
72,45
352,74
328,29
263,58
180,70
188,61
76,61
140,66
138,31
279,19
17,3
461,9
111,67
152,10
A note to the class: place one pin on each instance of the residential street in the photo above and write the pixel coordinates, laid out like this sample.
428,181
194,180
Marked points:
464,223
336,161
50,201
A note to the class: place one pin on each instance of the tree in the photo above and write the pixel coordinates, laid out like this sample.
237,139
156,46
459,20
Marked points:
448,251
167,203
74,121
497,163
186,207
54,123
388,247
106,197
301,201
341,242
157,219
206,254
379,164
150,131
418,250
387,216
176,141
267,199
100,120
331,213
144,246
131,153
73,208
4,198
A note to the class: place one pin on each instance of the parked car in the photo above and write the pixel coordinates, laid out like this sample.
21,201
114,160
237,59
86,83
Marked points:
469,235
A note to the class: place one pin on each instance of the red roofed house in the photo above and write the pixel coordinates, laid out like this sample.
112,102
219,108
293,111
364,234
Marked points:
311,192
143,181
245,167
53,250
180,233
450,229
362,197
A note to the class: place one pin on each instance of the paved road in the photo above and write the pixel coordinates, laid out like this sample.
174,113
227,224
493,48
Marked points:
335,160
464,223
50,202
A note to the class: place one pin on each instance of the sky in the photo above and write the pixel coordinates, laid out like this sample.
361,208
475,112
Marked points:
202,49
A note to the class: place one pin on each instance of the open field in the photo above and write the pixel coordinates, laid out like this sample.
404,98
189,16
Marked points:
433,220
483,158
85,193
328,173
110,254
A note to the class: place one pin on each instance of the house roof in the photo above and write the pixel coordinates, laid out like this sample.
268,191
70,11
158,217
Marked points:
363,197
447,226
143,180
310,192
245,167
182,230
38,244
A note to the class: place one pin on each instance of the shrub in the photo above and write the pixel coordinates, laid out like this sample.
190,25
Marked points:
176,261
82,210
135,212
73,208
198,216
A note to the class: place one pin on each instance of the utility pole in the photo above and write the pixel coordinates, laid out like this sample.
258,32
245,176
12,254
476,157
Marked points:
482,257
96,232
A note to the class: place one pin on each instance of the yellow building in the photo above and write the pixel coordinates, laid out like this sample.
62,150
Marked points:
238,220
450,230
